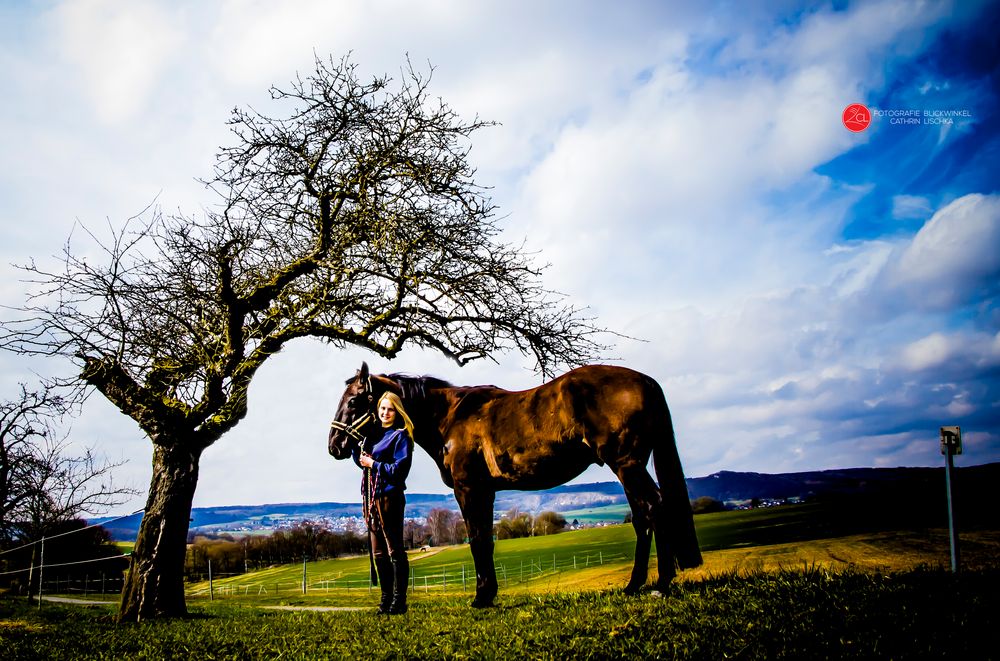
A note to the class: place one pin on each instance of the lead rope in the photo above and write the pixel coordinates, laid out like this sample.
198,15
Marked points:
369,493
369,483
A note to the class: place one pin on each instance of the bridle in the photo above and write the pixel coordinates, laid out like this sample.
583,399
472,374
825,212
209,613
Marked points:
353,430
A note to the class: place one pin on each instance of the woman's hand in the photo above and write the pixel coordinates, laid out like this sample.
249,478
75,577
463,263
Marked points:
366,460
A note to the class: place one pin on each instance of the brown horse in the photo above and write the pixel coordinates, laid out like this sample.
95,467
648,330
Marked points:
485,439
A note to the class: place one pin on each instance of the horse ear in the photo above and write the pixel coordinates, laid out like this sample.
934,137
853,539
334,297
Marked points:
363,372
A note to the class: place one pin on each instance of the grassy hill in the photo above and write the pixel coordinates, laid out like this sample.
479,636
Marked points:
599,558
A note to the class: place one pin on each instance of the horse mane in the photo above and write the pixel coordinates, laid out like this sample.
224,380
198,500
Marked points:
415,387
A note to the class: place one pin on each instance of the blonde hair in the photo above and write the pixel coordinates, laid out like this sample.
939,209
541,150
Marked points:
397,404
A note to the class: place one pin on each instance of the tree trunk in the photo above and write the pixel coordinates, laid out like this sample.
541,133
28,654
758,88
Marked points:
154,586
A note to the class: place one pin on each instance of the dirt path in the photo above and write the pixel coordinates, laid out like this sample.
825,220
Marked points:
91,602
79,602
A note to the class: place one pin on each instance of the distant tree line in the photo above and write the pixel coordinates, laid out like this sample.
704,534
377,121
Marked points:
235,555
707,505
447,526
516,523
310,541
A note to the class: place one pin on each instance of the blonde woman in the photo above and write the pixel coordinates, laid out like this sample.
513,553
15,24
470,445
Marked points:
386,463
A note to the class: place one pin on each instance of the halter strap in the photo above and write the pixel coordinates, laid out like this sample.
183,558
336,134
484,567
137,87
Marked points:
352,429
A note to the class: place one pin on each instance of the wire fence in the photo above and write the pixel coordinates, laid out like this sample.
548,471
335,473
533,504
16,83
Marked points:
59,579
454,577
52,581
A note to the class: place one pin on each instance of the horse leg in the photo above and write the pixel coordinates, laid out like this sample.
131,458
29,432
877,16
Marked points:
644,500
477,509
665,563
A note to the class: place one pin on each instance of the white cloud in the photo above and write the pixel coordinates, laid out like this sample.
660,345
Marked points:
928,352
966,351
119,49
906,207
954,256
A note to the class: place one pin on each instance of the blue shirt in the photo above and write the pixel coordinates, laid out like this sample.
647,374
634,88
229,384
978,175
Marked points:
392,454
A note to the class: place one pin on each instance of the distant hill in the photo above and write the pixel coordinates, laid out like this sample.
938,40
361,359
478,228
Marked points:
913,485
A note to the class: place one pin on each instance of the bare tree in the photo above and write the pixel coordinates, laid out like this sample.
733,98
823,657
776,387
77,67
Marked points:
41,483
352,216
414,533
443,525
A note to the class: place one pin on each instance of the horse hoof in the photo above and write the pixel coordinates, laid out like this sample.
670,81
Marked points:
662,587
632,590
482,603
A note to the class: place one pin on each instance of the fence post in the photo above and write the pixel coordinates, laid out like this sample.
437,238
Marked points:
211,586
41,567
303,574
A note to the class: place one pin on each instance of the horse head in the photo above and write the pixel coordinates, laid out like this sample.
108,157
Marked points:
355,412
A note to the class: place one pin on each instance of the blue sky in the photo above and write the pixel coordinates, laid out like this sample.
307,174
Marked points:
809,297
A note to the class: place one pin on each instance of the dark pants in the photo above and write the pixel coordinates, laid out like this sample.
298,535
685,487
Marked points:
387,526
386,536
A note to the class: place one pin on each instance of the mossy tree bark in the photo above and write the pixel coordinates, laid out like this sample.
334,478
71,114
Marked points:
154,586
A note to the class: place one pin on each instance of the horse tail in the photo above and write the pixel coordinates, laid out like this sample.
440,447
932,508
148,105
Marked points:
676,511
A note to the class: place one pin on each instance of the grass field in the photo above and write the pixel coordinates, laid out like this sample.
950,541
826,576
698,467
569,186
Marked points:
601,558
872,594
592,559
802,614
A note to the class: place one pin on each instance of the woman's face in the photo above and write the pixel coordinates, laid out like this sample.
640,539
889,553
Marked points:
386,413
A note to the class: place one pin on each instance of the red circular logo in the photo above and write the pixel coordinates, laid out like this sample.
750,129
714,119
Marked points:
856,117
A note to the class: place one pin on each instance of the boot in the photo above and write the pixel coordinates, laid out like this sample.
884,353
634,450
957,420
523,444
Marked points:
401,571
384,567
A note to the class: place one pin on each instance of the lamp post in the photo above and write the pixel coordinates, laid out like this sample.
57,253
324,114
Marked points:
951,444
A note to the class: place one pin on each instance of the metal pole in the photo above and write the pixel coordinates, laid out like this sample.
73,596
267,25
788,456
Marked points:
211,585
948,466
303,574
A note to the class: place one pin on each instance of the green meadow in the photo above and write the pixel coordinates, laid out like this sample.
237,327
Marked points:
601,558
772,587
